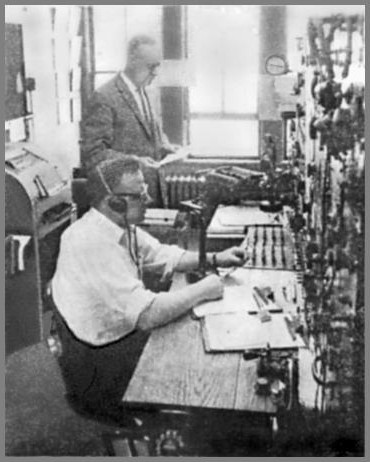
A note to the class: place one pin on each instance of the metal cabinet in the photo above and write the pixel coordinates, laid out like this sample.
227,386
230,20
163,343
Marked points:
38,207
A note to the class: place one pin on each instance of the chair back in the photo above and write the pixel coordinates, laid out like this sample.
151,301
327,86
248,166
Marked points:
80,195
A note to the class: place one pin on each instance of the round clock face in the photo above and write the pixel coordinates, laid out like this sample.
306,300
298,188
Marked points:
276,65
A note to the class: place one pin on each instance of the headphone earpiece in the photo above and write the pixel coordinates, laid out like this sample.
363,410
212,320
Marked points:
117,204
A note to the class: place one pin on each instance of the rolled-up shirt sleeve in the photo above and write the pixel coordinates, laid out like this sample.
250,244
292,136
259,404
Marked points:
157,257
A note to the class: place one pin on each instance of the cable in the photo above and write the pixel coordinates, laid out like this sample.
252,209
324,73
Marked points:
137,255
135,258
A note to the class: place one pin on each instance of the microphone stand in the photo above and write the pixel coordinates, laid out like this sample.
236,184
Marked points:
197,210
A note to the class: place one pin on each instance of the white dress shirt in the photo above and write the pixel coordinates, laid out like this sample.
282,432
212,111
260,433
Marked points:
96,286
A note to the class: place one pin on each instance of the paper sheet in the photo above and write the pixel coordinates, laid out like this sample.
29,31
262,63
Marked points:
181,154
238,294
235,299
160,216
242,216
241,331
283,283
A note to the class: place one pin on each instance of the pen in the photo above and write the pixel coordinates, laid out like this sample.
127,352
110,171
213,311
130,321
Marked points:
261,295
227,274
295,293
246,261
272,307
289,325
284,293
264,314
233,268
257,302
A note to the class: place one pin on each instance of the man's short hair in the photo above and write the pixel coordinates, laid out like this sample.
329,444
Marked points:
107,175
138,40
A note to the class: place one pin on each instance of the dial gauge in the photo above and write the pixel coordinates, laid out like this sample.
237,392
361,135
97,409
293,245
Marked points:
276,65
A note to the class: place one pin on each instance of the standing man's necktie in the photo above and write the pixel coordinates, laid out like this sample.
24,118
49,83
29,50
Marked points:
145,107
150,123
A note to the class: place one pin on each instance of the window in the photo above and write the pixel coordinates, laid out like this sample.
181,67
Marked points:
114,25
223,50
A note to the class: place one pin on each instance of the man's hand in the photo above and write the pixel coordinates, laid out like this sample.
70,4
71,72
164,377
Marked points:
148,162
234,256
212,287
167,149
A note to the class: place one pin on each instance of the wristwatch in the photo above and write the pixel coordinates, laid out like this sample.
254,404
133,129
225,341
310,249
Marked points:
214,260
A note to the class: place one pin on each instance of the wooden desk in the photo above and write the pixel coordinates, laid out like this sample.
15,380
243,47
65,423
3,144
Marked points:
174,370
226,418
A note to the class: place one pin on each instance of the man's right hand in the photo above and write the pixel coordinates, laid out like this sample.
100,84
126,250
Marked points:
213,287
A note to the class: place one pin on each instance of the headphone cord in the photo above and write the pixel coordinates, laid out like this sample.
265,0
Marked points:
137,255
134,255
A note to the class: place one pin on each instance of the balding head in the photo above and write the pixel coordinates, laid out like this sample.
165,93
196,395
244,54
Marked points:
137,44
143,59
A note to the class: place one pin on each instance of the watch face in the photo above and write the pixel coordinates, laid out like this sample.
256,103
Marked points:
276,65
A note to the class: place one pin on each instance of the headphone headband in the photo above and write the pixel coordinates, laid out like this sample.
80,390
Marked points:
117,204
103,180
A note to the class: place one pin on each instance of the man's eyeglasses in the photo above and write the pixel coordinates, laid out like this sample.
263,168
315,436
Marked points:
143,196
153,67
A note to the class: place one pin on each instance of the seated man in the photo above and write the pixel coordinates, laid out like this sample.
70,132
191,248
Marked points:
103,310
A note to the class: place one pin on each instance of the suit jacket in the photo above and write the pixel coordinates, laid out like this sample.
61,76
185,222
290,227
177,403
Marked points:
114,122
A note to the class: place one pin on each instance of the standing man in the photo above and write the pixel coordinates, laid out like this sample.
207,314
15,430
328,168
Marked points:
104,309
120,116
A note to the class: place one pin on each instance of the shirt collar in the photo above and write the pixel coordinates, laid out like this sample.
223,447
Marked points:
132,87
106,225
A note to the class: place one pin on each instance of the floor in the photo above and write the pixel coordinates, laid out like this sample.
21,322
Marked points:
39,420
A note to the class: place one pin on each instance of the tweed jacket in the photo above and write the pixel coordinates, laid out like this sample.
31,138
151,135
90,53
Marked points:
114,122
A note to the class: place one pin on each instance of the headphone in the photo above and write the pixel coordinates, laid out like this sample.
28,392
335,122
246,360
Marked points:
117,204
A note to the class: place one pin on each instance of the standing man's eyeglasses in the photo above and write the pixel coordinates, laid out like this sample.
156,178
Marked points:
153,67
